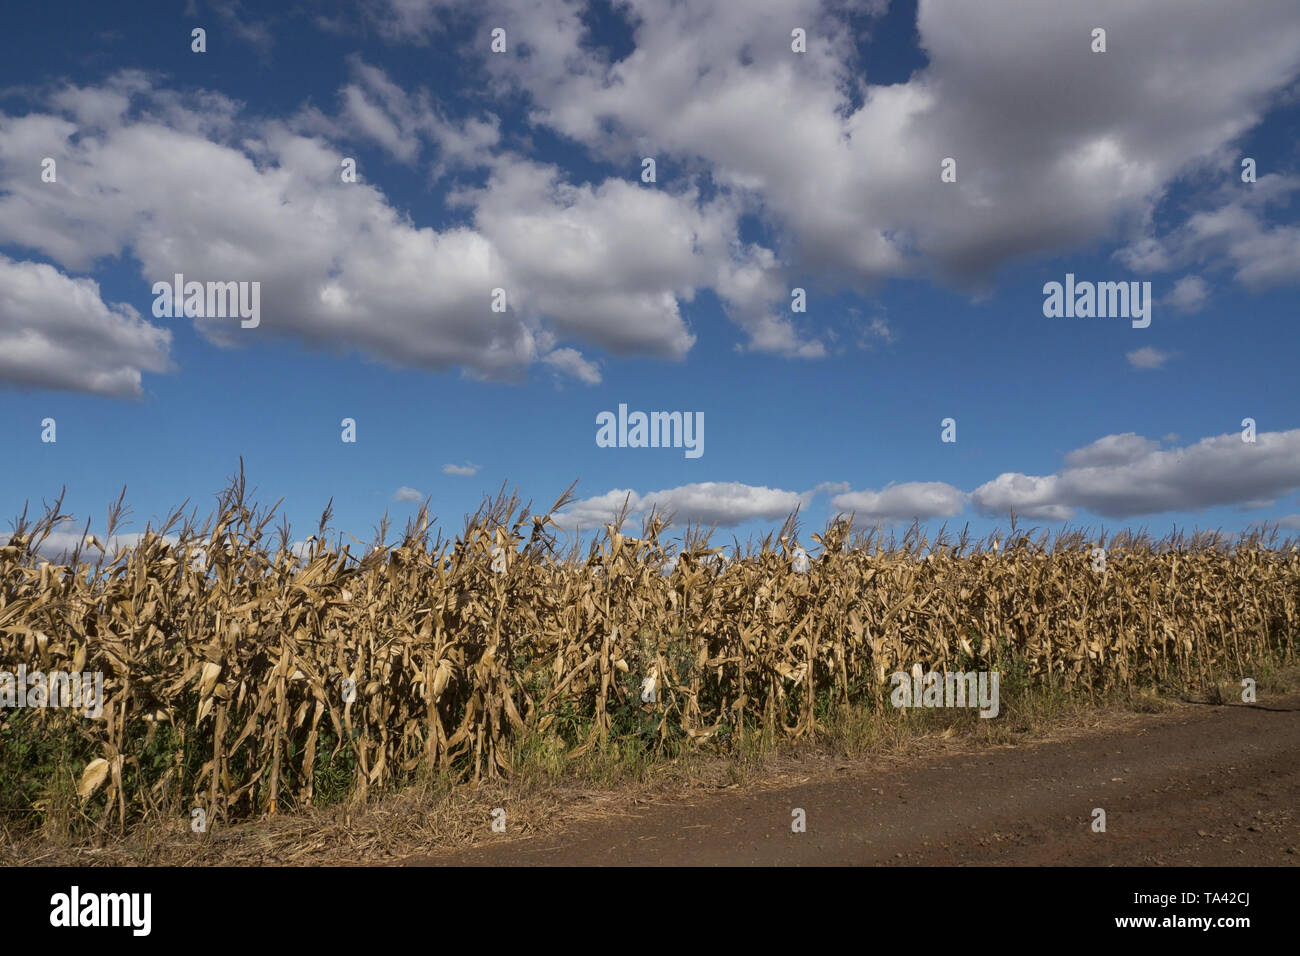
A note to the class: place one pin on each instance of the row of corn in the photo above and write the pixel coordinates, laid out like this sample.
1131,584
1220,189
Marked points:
235,669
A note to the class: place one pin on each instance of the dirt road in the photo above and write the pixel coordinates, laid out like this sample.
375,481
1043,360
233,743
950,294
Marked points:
1205,785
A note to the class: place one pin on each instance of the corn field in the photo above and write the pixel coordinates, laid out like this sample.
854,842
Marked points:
240,672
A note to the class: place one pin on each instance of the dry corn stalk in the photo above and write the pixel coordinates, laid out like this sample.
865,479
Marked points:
266,666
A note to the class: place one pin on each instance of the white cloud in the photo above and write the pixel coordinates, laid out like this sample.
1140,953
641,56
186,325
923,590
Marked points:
56,332
1147,357
579,254
273,210
1123,476
1263,255
1235,232
270,207
1116,476
276,214
837,167
903,502
401,121
466,470
1028,495
827,488
724,503
1112,450
406,493
1055,145
1189,294
363,113
571,363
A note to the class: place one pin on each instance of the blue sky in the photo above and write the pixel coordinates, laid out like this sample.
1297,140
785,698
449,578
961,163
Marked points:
775,170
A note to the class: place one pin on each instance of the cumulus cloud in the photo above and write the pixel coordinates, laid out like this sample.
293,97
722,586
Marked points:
466,470
406,493
270,207
903,502
1116,476
579,253
57,332
1111,450
1053,150
1028,495
1055,145
403,122
274,214
1123,476
724,503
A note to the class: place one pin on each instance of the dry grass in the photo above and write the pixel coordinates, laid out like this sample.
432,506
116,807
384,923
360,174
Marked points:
433,819
228,659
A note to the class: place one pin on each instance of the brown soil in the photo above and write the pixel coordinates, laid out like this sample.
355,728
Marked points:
1205,785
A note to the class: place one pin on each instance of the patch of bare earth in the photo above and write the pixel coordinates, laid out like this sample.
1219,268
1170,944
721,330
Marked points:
1192,784
1198,785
